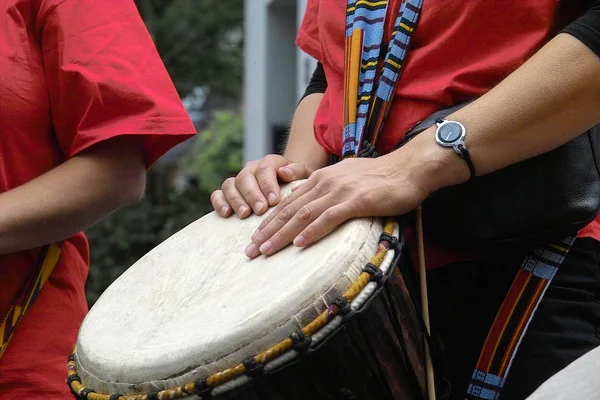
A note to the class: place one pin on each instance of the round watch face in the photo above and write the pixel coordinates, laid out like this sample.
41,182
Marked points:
450,132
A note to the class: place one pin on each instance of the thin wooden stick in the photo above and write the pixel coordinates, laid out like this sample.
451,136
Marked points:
424,302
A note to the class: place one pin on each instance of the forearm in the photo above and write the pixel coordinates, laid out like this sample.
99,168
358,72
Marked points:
71,197
302,147
548,101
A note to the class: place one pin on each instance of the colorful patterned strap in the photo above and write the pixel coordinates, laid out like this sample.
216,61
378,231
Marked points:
365,24
513,318
28,294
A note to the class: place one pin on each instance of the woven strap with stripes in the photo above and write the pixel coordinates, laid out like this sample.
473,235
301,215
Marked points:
513,318
367,94
28,293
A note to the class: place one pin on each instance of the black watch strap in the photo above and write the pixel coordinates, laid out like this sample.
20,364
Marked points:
462,151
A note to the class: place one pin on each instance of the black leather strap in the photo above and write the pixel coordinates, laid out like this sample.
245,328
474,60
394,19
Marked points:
462,151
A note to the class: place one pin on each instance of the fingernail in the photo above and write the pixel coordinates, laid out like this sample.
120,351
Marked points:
252,250
258,206
242,210
224,210
266,247
272,197
299,241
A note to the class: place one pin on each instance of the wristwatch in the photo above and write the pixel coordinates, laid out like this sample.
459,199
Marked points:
452,134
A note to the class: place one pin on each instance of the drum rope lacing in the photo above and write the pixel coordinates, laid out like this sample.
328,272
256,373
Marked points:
299,340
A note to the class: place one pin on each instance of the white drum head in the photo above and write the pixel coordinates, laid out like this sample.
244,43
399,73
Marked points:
579,380
196,305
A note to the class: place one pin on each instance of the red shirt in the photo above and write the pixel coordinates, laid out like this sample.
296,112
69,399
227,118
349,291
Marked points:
459,51
72,73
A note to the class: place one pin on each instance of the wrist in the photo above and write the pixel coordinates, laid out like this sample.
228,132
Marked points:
429,165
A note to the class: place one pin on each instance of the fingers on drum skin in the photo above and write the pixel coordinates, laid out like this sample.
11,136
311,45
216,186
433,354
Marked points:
247,185
235,198
295,218
256,237
220,204
270,225
263,239
266,177
324,224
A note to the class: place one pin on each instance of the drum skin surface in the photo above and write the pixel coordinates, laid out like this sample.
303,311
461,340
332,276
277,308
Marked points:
196,305
578,380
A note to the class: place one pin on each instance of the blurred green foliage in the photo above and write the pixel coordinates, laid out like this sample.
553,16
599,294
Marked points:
199,44
218,153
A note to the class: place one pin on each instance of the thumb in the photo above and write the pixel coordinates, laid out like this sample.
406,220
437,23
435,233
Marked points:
293,172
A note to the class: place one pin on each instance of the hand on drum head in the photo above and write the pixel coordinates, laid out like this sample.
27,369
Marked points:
256,187
353,188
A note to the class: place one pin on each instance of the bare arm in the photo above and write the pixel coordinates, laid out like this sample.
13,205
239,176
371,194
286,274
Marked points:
551,99
302,147
72,196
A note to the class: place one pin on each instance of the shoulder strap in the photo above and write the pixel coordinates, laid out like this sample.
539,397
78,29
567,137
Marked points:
513,318
369,81
28,293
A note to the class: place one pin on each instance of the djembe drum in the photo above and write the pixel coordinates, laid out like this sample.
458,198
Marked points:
196,318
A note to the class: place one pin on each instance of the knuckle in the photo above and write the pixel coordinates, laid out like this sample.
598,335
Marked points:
286,213
214,196
316,175
311,232
243,174
228,183
269,158
304,214
250,164
234,199
263,169
276,239
332,214
285,201
250,194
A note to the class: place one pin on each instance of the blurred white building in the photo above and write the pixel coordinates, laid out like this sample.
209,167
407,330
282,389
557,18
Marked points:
276,72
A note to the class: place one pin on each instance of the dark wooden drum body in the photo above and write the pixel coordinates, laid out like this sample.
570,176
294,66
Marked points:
377,354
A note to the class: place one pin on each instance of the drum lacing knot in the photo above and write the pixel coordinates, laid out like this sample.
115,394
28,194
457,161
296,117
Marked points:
253,369
152,396
202,388
342,305
115,396
73,378
392,240
367,150
377,275
300,341
85,393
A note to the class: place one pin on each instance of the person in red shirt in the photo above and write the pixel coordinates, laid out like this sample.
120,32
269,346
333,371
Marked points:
86,105
532,72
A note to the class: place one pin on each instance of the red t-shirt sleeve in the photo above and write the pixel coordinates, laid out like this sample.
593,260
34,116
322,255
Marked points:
106,79
308,34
